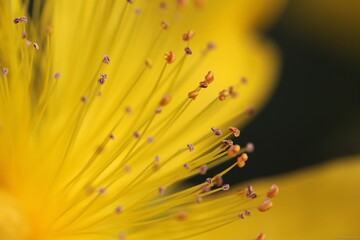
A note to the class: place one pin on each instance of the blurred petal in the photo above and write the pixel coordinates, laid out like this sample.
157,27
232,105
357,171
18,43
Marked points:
316,203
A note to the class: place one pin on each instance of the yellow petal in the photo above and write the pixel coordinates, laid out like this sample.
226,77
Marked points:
321,202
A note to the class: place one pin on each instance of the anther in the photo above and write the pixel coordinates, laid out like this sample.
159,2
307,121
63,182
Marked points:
243,80
102,191
4,71
150,139
36,46
49,30
119,209
84,99
106,59
223,94
249,189
198,199
148,63
266,205
243,157
240,163
186,166
273,191
128,110
165,100
28,43
188,51
211,46
162,190
23,35
111,136
203,169
235,131
157,158
203,84
233,150
247,213
216,131
158,110
210,182
219,180
193,94
137,11
188,36
261,236
181,216
169,57
127,169
225,187
226,143
101,81
57,75
232,91
156,166
20,19
241,215
99,149
137,134
205,189
250,110
190,147
164,25
130,1
250,147
209,78
163,5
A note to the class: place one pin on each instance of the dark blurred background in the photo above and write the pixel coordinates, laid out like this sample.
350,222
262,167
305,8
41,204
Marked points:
314,115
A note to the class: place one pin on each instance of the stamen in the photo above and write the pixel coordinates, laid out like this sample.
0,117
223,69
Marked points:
188,51
261,236
165,100
119,209
235,131
233,150
203,169
165,25
225,187
219,180
226,143
186,166
106,59
189,35
216,131
266,205
193,94
57,75
190,147
4,71
209,78
20,19
36,46
273,191
162,190
169,57
182,216
211,46
250,147
223,95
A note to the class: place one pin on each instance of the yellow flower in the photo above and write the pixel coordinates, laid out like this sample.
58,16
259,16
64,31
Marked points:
107,106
